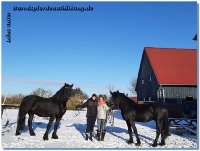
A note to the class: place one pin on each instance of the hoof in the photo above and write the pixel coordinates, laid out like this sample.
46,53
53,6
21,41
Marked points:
162,144
17,133
90,139
54,136
32,134
154,145
86,137
45,138
130,141
137,144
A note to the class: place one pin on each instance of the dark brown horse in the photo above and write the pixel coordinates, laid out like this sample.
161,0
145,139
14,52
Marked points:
132,112
53,107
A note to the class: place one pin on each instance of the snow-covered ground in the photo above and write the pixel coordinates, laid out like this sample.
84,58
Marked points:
71,134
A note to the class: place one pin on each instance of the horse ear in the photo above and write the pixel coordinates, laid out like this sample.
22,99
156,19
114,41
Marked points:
71,85
65,84
111,92
117,91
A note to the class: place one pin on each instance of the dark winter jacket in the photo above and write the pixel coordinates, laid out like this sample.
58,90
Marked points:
91,107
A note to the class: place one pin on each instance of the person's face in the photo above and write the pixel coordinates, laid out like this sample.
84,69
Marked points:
101,100
94,98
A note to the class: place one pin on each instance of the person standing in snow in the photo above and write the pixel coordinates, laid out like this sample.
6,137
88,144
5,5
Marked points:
101,117
91,115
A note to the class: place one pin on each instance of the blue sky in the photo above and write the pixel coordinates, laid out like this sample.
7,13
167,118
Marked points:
90,49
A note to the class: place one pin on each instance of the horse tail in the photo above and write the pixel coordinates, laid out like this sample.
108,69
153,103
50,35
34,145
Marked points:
21,119
20,122
166,128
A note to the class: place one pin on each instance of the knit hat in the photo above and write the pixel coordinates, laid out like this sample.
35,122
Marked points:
94,95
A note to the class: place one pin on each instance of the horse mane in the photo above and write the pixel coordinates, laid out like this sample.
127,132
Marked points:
127,98
58,92
57,95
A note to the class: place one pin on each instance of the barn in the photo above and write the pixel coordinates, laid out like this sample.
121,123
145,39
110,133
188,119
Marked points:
167,75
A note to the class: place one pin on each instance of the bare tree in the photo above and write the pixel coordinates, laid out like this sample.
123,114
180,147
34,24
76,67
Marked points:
110,87
42,92
79,92
14,99
133,86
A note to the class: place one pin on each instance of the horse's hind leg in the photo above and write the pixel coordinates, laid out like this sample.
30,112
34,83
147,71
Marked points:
45,137
135,132
158,131
54,135
130,132
30,119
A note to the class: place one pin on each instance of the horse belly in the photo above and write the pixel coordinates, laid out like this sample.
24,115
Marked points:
146,117
45,111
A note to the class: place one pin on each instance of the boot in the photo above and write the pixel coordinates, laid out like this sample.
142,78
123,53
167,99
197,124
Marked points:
102,135
90,136
98,135
86,136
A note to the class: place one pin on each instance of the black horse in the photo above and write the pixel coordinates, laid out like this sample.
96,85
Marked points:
53,107
132,112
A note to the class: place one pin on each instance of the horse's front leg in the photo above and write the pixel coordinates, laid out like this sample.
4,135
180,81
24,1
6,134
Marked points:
30,119
54,135
158,131
135,132
129,132
45,137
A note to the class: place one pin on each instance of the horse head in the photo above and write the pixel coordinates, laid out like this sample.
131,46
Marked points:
114,102
67,90
64,93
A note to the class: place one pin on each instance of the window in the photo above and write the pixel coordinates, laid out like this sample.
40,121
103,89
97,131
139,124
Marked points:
189,98
150,79
161,95
178,97
142,81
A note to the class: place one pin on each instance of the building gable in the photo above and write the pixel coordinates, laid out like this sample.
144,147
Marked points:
174,71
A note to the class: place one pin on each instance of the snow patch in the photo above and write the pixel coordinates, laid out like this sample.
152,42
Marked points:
71,134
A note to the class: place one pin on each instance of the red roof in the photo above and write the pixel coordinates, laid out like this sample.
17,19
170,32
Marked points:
173,66
134,98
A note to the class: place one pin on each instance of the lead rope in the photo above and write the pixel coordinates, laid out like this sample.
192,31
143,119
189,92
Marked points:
76,111
111,117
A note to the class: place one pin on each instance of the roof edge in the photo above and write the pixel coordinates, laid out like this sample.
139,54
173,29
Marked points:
171,48
178,84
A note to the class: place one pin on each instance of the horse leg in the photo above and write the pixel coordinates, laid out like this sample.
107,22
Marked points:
130,132
54,135
135,132
45,137
31,115
163,137
20,122
158,131
165,128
